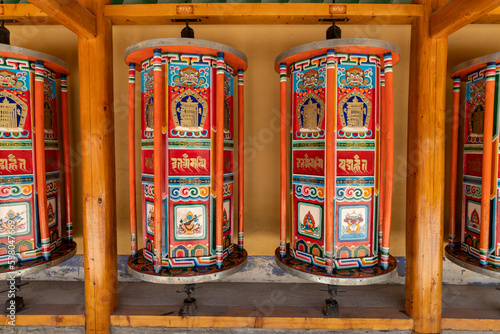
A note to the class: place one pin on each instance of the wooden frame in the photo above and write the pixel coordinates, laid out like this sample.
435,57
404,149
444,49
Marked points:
425,181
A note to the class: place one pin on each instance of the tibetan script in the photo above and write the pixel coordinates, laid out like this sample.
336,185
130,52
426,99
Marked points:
306,162
355,165
12,163
181,164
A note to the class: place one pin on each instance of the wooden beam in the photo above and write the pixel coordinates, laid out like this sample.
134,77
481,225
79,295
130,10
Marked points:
425,180
262,13
492,17
457,14
35,320
25,14
71,14
261,322
98,172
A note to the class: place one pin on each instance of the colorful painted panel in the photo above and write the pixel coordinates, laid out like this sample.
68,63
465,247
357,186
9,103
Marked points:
189,216
18,196
356,211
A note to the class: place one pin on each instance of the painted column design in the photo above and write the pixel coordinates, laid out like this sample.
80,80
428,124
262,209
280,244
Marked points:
330,156
241,162
158,159
219,158
388,113
131,160
283,159
453,160
41,182
487,162
67,157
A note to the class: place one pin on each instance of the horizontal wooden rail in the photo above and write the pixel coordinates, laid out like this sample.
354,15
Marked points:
262,13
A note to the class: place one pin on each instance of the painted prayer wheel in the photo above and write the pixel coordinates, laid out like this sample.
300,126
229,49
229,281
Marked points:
474,235
341,149
189,224
35,214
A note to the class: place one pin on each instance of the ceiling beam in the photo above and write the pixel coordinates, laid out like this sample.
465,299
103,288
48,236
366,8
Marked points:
457,14
71,14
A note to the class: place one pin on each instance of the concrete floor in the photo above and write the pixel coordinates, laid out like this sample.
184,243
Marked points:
249,299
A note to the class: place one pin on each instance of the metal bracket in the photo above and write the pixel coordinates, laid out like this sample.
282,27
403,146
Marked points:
189,305
331,307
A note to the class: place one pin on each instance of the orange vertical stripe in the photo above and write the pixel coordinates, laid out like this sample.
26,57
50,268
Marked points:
453,160
158,158
283,159
131,160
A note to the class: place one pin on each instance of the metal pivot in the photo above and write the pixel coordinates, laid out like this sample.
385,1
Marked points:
15,303
187,32
334,31
189,305
331,307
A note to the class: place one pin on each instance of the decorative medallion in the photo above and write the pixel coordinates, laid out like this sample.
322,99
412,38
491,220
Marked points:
355,111
473,216
189,111
355,77
13,112
9,80
310,113
14,217
189,222
189,77
310,80
309,220
353,223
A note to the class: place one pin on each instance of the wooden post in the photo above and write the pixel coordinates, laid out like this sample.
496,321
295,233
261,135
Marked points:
131,160
219,158
330,157
67,157
453,160
241,162
159,96
489,103
388,112
41,181
283,159
425,182
98,171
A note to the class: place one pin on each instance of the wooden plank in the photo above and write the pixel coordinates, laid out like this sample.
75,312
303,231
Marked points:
425,182
45,320
262,13
261,322
25,14
98,172
456,324
492,17
71,14
457,14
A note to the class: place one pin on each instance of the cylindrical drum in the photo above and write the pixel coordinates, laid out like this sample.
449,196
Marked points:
340,147
474,233
188,202
35,217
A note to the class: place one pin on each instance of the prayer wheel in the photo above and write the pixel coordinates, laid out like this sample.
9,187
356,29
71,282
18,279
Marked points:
341,150
35,213
474,228
187,171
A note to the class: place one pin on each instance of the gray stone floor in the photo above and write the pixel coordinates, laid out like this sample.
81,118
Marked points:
260,299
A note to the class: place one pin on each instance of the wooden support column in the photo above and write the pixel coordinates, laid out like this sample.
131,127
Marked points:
98,171
425,183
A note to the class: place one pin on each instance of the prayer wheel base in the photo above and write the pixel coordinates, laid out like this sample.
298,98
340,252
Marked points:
141,268
58,256
356,276
467,261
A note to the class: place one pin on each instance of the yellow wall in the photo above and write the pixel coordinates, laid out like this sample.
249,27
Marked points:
261,44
